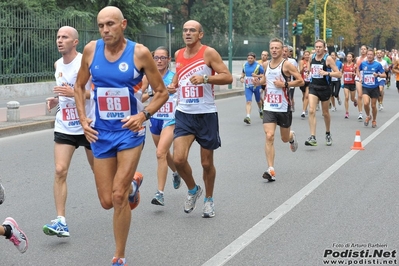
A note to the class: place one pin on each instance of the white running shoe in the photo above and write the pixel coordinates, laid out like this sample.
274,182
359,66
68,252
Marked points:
18,238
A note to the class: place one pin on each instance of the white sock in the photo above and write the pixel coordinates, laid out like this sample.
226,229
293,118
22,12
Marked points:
62,219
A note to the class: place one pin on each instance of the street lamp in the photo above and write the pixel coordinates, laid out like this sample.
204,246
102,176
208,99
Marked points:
325,20
170,17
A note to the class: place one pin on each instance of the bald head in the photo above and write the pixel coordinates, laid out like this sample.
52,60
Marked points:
72,32
195,24
110,11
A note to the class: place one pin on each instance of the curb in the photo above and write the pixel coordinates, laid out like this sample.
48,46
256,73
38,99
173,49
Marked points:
22,127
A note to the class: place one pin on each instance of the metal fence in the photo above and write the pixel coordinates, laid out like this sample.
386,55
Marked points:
157,36
28,43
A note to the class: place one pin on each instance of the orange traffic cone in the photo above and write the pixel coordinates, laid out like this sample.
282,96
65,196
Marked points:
357,145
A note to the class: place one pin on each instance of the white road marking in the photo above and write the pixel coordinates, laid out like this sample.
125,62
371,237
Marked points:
223,256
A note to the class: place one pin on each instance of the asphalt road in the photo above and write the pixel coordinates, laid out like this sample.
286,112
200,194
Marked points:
326,202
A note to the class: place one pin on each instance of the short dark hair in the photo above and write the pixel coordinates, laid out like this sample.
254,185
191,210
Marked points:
322,41
251,54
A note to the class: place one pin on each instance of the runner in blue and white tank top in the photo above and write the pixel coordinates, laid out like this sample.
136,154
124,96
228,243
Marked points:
371,71
250,70
117,66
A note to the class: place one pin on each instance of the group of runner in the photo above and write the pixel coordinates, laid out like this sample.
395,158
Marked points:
351,81
320,75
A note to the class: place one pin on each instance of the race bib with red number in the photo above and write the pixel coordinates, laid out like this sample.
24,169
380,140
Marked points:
348,76
316,71
167,111
69,114
274,99
113,103
192,94
369,79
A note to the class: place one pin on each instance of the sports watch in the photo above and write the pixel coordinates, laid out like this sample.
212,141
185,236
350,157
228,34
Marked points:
205,78
146,114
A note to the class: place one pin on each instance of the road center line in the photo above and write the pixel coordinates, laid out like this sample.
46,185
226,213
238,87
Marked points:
258,229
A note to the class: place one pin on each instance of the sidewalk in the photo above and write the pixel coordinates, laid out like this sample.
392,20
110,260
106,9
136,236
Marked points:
33,116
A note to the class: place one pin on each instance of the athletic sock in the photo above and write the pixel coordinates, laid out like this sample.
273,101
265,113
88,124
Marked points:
62,219
194,190
208,199
7,231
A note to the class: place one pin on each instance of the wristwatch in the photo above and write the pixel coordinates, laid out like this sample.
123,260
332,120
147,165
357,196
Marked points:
150,93
205,78
146,114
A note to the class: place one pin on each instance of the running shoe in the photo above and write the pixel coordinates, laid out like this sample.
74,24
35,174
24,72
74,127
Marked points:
374,124
294,143
311,141
380,107
134,198
158,199
346,115
189,204
360,117
2,194
118,262
56,228
176,180
339,102
270,174
303,115
333,109
317,108
293,108
355,103
261,114
328,140
209,208
366,121
18,238
247,120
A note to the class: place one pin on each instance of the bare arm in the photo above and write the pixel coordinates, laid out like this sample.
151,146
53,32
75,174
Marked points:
213,60
291,70
80,91
335,71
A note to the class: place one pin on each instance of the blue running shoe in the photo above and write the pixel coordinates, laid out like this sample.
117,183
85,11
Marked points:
176,180
56,228
134,198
